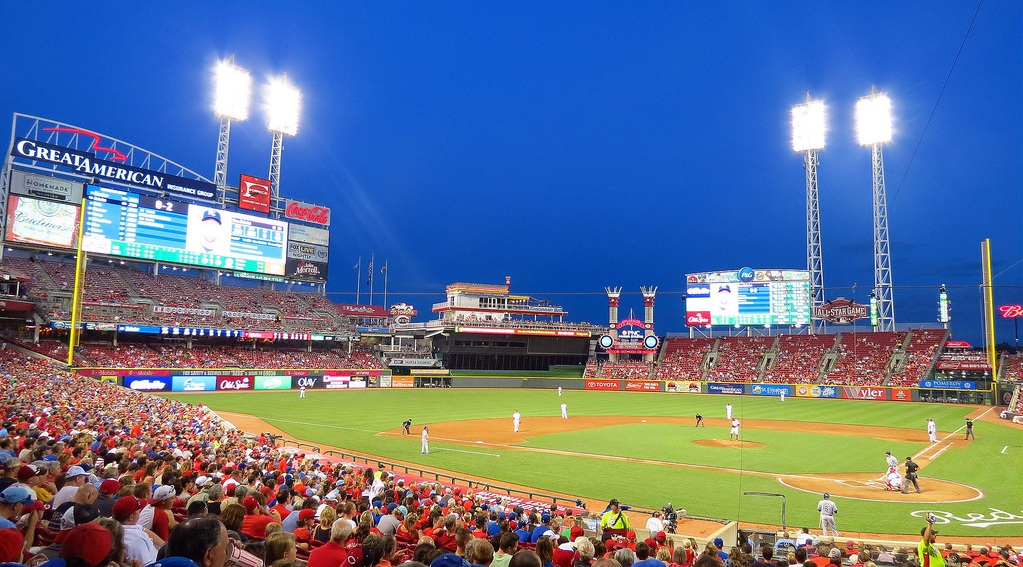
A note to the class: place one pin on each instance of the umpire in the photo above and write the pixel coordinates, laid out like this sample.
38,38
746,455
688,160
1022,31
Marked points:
911,476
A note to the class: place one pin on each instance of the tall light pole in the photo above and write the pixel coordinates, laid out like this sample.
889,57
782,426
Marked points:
231,102
283,102
808,126
874,129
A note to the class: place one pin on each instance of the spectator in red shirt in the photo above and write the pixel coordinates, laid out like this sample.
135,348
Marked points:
334,552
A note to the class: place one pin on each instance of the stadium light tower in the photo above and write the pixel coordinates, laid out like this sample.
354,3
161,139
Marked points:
809,122
231,102
874,129
283,102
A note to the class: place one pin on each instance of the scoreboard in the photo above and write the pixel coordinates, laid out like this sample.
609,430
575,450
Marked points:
748,297
125,224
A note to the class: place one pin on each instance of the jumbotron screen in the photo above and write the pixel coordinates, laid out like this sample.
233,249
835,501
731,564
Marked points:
120,223
748,297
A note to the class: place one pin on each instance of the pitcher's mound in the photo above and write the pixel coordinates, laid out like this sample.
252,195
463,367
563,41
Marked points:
728,443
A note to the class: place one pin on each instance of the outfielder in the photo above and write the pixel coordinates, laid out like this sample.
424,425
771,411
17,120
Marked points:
564,410
932,431
516,418
828,509
728,411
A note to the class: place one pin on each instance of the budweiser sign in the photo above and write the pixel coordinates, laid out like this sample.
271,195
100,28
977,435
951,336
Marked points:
840,311
305,212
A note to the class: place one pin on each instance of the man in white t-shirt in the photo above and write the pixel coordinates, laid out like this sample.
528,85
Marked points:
655,524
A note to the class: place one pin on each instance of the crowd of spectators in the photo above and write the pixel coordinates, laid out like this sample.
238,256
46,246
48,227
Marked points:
798,359
739,359
1012,367
863,358
624,370
921,350
683,358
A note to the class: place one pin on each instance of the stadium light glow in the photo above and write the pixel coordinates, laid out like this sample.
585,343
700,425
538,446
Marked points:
233,91
283,103
809,122
874,119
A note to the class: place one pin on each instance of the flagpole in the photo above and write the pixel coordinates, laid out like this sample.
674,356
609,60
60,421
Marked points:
385,283
372,256
358,279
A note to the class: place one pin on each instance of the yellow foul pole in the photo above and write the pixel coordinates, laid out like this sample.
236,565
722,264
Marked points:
79,290
989,306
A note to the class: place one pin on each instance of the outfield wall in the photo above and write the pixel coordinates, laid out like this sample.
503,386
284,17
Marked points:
210,380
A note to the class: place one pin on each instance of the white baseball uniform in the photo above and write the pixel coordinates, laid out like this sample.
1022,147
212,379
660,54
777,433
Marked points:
728,411
426,441
516,418
564,410
828,509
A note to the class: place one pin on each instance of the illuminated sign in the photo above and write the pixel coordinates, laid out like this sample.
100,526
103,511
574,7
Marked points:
1011,311
46,187
840,311
43,223
314,214
310,235
254,194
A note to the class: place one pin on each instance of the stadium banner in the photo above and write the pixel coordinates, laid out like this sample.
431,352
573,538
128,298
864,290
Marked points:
235,383
435,371
403,382
148,383
313,214
948,384
351,310
254,194
85,163
358,381
373,330
642,386
183,310
123,372
611,385
336,381
421,362
902,394
531,332
770,389
248,315
46,187
199,383
725,388
309,235
385,381
305,270
814,391
864,393
273,382
690,388
309,382
312,252
43,223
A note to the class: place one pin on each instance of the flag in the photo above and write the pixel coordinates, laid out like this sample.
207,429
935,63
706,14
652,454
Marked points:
369,273
384,269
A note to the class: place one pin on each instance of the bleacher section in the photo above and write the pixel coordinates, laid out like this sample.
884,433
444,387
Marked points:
863,358
921,350
683,358
739,359
798,359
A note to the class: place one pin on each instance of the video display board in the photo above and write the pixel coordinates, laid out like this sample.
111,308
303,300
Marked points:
121,223
748,297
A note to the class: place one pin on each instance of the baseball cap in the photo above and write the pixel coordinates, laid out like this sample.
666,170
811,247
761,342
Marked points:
826,495
76,515
250,503
835,552
719,543
550,535
887,452
74,471
650,542
613,502
214,215
126,506
12,463
11,544
16,494
164,492
201,481
306,513
661,537
630,534
90,542
28,471
109,486
576,531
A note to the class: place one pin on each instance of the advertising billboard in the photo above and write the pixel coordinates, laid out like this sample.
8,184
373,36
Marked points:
310,235
254,194
725,389
770,390
42,223
814,391
46,187
233,383
203,383
120,223
642,386
148,383
611,385
313,214
305,270
864,393
273,382
748,297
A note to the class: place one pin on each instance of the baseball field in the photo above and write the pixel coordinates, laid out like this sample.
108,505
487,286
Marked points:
644,449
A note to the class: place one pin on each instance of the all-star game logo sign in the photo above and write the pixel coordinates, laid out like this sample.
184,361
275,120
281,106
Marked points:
840,311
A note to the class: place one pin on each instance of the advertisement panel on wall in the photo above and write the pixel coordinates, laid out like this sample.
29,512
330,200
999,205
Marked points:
690,387
235,383
336,381
309,382
642,386
403,382
864,393
202,383
770,390
42,223
725,389
313,214
902,394
603,385
814,391
310,235
148,383
120,223
949,384
273,382
254,194
46,187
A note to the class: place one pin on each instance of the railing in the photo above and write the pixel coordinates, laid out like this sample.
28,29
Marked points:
566,501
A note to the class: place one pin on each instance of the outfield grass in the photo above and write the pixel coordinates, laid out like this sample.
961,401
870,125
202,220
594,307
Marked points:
352,419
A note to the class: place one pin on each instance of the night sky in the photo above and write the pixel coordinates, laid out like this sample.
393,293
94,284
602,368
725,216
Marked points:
577,145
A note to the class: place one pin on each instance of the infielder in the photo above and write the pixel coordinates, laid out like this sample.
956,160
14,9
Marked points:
559,391
405,425
426,440
564,410
516,418
828,509
728,411
932,431
734,432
